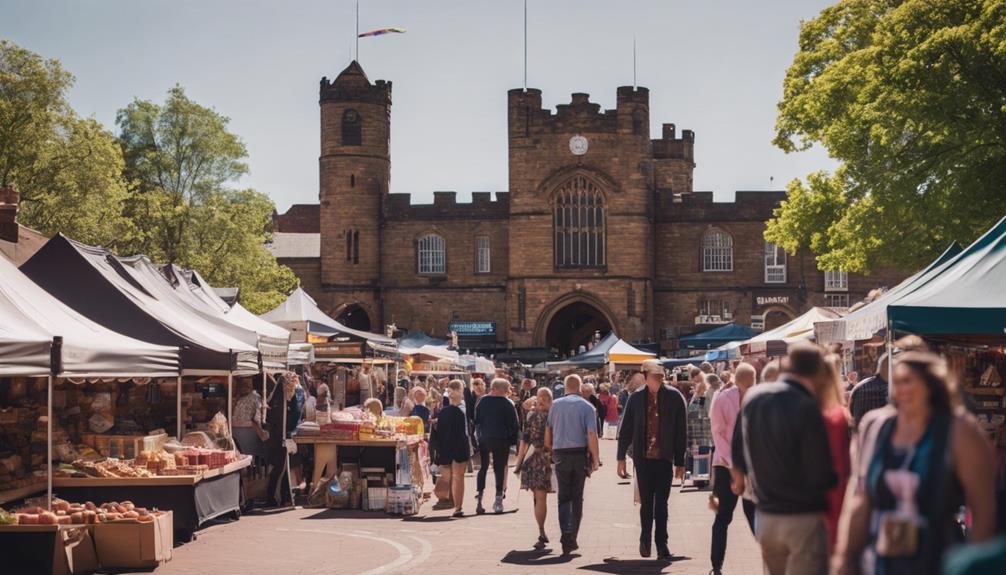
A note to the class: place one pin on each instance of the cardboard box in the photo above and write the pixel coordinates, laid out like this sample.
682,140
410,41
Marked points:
129,544
78,551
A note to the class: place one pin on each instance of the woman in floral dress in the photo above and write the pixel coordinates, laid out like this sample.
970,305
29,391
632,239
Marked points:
534,463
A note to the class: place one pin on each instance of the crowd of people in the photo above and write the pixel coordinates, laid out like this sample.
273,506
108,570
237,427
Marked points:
832,474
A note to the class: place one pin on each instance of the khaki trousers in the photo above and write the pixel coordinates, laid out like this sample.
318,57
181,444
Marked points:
793,544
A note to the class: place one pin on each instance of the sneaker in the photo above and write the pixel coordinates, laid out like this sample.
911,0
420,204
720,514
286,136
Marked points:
498,505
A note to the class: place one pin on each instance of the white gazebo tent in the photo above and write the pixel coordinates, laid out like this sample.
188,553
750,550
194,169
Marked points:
775,341
42,337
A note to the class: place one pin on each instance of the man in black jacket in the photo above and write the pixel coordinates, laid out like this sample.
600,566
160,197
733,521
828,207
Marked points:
654,425
782,448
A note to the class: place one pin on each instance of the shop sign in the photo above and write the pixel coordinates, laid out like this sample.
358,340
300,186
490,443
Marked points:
473,328
338,349
772,300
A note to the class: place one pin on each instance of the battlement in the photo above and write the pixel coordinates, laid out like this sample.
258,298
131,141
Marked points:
299,218
527,116
671,147
352,85
699,206
446,206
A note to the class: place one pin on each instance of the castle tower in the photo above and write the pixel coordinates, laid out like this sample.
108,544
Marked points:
354,170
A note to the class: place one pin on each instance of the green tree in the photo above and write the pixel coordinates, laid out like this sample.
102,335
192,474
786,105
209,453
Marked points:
910,96
181,159
67,169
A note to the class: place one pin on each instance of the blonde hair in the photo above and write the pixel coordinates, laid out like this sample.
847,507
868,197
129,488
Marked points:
455,395
572,383
830,392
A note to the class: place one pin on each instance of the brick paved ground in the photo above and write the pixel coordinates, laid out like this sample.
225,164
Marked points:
314,542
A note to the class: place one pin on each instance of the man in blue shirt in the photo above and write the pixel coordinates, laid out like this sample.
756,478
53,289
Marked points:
571,434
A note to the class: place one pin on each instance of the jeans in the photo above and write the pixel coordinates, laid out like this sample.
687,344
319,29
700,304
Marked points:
499,449
570,474
793,544
654,478
725,513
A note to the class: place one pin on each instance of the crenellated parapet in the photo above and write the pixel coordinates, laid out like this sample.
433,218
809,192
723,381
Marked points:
528,118
700,207
445,206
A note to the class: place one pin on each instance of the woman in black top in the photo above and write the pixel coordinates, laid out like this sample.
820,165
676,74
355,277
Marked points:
451,447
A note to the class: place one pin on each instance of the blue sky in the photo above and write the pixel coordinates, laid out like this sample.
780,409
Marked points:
712,66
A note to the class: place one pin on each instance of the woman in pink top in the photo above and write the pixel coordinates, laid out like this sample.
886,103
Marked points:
830,395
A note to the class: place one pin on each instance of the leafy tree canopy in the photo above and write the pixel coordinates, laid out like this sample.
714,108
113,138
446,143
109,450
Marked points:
181,159
162,188
910,96
67,169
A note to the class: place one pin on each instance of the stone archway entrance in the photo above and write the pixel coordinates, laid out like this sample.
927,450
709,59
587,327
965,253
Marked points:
777,316
355,317
574,325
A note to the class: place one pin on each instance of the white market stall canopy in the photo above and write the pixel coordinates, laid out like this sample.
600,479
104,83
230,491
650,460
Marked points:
799,329
611,349
31,320
301,312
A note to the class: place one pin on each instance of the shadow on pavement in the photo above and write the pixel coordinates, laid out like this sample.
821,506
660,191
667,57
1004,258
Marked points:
536,557
344,514
632,566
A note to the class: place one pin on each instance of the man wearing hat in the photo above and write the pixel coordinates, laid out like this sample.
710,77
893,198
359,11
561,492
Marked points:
654,424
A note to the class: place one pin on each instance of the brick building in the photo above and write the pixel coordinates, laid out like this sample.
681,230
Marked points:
599,230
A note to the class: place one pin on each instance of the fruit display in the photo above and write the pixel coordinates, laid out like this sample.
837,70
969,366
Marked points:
66,513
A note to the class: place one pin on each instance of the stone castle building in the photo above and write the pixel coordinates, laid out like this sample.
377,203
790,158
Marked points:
599,230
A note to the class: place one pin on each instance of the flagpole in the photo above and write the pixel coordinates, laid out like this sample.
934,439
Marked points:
357,31
525,45
633,61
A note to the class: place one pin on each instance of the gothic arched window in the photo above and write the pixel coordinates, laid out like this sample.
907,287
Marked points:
431,255
579,222
352,128
717,251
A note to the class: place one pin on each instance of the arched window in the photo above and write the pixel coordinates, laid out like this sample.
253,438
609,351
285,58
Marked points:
717,251
352,128
578,219
431,255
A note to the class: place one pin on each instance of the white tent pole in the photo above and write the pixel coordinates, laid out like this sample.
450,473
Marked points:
230,385
48,448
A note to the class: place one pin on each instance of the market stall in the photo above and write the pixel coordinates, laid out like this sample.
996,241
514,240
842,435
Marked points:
43,343
133,297
715,337
381,455
775,342
962,313
610,350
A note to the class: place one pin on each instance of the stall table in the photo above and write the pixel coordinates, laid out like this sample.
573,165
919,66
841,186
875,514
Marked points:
326,450
193,499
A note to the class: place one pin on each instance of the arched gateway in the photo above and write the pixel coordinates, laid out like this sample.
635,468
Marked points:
570,323
353,316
